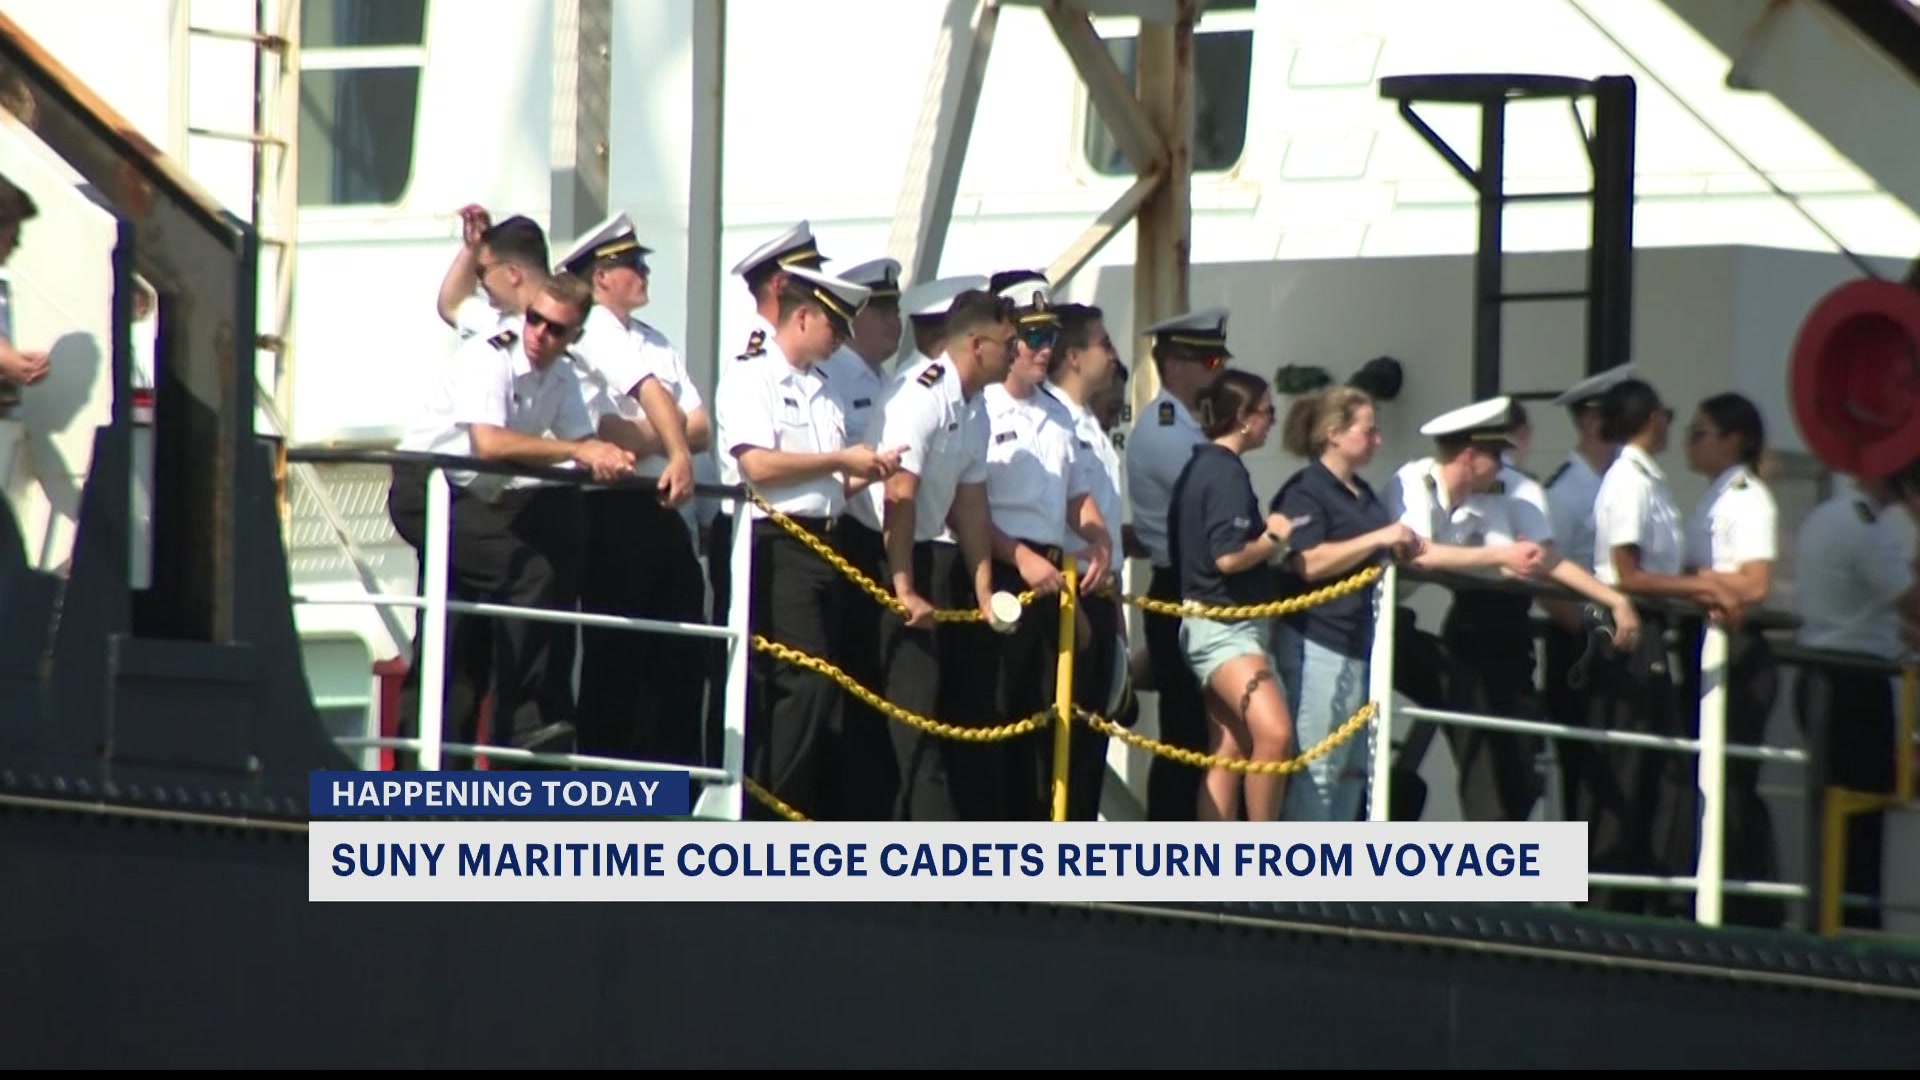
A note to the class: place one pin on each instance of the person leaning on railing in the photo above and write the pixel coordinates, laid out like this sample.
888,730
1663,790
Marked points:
1225,551
512,540
1339,528
1641,804
1733,537
1457,501
1856,585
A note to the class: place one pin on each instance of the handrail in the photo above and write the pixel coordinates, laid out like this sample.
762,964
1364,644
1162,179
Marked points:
345,455
1762,617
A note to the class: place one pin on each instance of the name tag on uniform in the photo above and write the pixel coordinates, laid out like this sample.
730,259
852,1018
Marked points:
862,403
1005,436
793,408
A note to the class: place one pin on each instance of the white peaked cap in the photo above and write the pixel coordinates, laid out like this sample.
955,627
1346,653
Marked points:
1482,421
880,275
931,299
1594,385
792,247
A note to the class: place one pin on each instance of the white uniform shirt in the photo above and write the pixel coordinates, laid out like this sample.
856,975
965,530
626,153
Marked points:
764,401
610,366
1034,466
1530,503
1104,476
1853,561
491,381
1571,490
1736,522
1635,507
1416,498
477,317
946,439
1159,447
858,387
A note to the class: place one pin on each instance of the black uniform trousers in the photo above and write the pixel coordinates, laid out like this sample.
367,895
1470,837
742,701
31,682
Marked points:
1849,718
869,785
1638,803
1750,853
642,693
1490,638
1564,695
1095,666
525,549
1427,672
1027,677
944,673
1173,789
790,709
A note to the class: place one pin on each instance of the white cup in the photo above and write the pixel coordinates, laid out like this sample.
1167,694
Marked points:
1003,612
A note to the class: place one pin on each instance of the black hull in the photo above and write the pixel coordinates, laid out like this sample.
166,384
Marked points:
142,943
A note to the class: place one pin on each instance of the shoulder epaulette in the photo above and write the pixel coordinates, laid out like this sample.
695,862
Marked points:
1643,469
1739,483
1166,414
931,375
756,345
1558,473
503,339
1866,512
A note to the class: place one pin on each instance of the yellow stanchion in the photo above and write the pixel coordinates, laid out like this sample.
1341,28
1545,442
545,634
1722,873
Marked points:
1063,689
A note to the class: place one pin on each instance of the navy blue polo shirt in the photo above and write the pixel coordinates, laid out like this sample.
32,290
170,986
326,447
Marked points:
1215,512
1344,625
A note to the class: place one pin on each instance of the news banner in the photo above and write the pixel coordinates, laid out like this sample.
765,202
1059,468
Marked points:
611,836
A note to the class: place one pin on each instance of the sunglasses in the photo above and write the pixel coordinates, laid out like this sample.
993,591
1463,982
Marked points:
1039,338
535,319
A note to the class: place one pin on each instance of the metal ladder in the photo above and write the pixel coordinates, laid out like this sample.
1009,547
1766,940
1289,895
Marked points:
275,208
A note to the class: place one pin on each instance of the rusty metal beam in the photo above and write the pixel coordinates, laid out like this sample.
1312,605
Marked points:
199,260
1132,131
1162,235
1105,228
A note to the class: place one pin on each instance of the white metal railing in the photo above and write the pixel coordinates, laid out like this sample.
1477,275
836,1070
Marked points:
722,790
1708,882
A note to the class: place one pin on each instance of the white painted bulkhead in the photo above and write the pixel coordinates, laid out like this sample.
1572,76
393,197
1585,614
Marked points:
1320,217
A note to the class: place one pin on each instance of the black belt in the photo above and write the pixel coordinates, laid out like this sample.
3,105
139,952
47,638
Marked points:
1050,552
817,525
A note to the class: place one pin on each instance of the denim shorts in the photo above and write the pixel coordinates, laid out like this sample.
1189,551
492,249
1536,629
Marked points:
1208,643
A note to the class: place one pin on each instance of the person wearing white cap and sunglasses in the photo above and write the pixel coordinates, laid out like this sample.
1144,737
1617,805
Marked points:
1457,502
781,429
933,410
641,695
857,376
1188,352
1040,484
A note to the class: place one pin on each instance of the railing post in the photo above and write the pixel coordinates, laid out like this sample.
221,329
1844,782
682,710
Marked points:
1710,873
734,708
1063,687
433,629
1386,596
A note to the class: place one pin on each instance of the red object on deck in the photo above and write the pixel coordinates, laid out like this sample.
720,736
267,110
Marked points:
1853,381
392,672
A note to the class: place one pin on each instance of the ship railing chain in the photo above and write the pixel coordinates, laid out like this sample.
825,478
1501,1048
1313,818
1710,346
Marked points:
1272,609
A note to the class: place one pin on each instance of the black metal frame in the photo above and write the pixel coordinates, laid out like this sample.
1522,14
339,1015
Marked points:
1610,151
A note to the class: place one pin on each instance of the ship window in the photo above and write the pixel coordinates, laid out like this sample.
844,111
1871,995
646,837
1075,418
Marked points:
361,62
1222,74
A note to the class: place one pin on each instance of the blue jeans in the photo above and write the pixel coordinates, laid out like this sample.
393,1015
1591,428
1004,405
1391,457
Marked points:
1324,689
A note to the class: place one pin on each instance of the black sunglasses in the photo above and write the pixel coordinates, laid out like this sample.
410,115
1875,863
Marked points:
534,318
